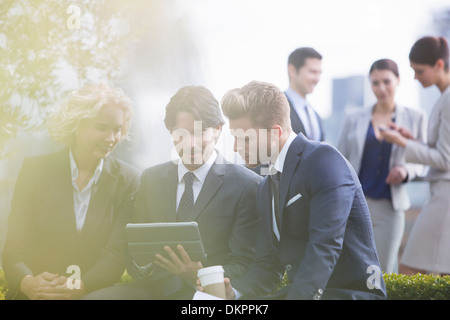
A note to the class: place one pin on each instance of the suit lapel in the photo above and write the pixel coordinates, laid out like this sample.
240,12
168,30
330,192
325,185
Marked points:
169,192
362,126
319,120
61,191
296,123
400,120
291,163
212,184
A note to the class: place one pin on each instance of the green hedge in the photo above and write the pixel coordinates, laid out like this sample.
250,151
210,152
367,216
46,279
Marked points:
417,287
3,285
398,286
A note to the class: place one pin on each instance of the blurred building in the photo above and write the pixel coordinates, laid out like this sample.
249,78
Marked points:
347,93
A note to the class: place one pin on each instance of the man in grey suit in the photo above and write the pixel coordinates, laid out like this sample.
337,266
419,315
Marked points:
304,70
315,224
223,202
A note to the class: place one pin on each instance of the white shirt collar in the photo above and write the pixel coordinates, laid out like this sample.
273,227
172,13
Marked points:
296,99
74,169
279,163
201,172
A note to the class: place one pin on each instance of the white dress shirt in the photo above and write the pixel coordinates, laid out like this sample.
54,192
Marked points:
200,176
82,198
302,107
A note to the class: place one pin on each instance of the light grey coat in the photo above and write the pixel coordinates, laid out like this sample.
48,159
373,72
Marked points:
427,246
436,153
352,139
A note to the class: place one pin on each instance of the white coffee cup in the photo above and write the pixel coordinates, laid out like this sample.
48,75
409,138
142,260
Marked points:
212,280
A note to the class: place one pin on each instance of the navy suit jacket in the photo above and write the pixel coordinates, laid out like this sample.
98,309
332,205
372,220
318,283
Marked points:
326,246
297,124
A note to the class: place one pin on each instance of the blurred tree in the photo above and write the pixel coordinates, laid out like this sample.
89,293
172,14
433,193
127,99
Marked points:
50,46
39,39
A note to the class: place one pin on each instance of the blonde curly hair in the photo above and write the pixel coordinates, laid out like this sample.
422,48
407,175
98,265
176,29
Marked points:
86,103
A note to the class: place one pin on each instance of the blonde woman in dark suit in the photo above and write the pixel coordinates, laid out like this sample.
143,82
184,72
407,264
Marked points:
427,249
382,168
65,230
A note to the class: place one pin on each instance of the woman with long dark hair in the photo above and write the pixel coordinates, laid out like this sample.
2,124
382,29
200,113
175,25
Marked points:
427,249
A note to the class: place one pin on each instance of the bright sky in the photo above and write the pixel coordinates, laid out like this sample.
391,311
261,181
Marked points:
239,41
243,40
251,40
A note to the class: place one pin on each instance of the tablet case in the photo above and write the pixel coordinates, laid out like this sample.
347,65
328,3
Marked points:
147,239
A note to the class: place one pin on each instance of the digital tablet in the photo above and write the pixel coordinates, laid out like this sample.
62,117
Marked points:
147,239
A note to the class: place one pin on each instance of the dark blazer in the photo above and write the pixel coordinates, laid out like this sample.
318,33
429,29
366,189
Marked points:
42,233
297,124
225,211
326,243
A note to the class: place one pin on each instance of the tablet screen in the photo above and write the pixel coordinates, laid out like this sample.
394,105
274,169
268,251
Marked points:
147,239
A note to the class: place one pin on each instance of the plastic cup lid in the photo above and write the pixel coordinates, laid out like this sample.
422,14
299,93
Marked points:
209,270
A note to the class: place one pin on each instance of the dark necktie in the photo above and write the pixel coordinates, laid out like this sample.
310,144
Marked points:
174,284
187,200
275,181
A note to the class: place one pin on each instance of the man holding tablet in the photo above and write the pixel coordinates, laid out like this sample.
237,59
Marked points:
202,187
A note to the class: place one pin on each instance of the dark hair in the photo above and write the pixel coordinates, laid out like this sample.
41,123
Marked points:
298,56
199,102
385,64
428,50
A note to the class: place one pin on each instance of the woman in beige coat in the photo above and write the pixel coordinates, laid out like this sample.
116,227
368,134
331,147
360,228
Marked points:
428,246
381,166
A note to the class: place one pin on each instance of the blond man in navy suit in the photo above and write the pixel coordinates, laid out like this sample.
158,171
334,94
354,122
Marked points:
318,229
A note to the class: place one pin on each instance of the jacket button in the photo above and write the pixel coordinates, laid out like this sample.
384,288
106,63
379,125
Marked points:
318,295
288,267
